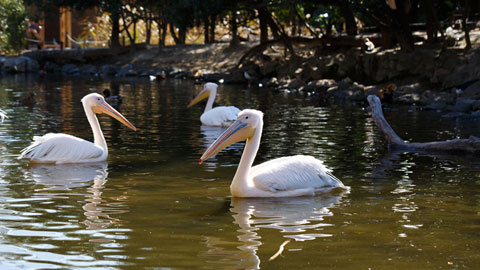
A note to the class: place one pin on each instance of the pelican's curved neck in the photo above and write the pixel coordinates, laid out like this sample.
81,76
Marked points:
241,179
98,138
211,99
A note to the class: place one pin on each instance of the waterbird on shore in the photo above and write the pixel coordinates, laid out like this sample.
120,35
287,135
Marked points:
115,101
368,45
161,75
282,177
386,94
218,116
63,148
248,77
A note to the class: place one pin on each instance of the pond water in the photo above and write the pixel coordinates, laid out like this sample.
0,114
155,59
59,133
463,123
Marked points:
152,206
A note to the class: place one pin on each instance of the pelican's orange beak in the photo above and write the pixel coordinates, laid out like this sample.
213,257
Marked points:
202,95
104,107
238,131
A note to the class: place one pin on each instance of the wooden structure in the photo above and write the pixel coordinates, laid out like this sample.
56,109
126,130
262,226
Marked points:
61,26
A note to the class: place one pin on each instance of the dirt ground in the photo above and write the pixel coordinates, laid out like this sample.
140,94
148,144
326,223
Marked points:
214,57
218,57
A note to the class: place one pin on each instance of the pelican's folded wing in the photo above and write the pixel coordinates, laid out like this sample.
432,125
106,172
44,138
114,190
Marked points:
60,148
220,116
294,172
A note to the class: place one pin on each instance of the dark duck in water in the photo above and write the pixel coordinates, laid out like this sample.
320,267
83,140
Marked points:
115,101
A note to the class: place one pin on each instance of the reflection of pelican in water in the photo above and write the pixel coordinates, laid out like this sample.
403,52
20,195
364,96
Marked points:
3,115
210,134
293,216
299,218
67,177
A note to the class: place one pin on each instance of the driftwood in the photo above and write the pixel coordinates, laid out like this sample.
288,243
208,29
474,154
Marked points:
471,145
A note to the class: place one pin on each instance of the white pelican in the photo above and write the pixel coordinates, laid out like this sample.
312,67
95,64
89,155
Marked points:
282,177
218,116
62,148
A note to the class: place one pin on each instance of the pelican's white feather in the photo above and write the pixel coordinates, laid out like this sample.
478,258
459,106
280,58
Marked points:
293,172
62,148
220,116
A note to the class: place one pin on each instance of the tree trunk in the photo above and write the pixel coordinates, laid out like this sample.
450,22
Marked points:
304,23
148,33
293,19
279,33
350,24
466,10
125,27
162,32
173,34
134,32
213,23
206,30
430,21
234,28
388,38
402,24
182,35
115,43
262,13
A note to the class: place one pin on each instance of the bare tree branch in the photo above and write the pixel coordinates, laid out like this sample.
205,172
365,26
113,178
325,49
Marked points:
471,145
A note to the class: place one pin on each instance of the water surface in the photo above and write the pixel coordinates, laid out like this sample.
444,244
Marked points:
151,206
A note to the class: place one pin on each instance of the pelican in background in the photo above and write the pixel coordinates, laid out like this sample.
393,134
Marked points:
62,148
218,116
282,177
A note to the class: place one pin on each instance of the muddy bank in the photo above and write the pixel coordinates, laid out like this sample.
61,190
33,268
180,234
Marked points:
443,79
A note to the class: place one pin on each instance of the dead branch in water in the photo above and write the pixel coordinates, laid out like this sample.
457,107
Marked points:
471,145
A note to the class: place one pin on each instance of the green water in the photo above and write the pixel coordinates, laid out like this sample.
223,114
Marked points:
151,206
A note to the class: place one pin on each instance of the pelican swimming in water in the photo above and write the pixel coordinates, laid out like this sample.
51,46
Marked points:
282,177
62,148
218,116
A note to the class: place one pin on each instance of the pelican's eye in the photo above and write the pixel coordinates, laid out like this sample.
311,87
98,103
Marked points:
246,117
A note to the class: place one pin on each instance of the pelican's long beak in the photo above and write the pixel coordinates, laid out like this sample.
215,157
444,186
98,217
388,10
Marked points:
104,107
202,95
238,131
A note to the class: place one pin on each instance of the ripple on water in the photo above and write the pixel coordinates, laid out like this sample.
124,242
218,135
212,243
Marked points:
152,204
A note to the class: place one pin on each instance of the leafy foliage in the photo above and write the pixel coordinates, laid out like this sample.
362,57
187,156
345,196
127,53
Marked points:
13,26
140,20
